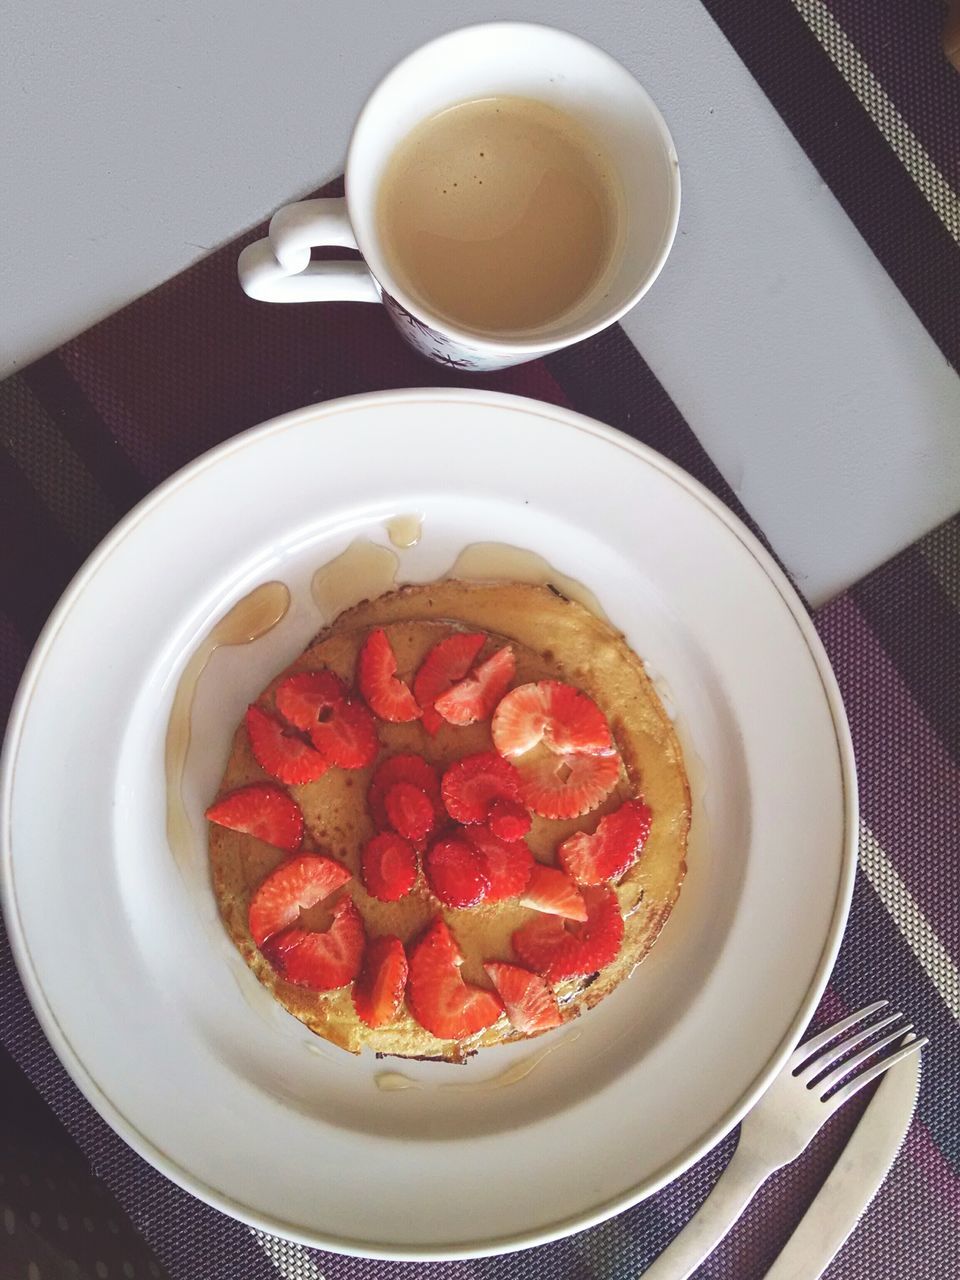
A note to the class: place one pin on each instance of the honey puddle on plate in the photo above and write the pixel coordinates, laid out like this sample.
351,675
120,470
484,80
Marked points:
362,572
367,569
499,562
405,531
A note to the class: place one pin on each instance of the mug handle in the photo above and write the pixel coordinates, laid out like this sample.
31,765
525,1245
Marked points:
278,269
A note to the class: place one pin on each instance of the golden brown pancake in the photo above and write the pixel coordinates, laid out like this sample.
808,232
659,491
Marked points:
552,638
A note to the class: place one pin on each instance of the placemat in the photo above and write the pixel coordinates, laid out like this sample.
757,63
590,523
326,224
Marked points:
90,429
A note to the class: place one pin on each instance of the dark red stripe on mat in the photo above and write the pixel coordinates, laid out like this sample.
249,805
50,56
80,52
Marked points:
14,650
36,558
89,435
39,1162
878,194
607,378
920,630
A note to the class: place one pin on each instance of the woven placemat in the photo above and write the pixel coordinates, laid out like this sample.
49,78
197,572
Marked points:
90,429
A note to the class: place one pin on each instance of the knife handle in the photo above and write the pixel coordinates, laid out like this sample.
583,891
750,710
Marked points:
731,1194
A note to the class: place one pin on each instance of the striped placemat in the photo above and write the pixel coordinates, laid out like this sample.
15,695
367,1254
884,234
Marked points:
90,429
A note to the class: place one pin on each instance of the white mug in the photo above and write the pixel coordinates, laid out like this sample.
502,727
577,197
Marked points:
502,58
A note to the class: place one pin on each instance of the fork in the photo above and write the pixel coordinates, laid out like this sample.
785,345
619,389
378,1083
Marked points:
784,1122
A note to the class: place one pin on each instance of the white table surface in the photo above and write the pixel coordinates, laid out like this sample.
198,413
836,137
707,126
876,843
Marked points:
135,136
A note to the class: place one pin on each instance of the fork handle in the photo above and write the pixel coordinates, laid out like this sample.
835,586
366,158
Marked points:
731,1194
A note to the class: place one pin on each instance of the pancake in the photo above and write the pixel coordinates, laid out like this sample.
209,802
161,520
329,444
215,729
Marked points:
552,638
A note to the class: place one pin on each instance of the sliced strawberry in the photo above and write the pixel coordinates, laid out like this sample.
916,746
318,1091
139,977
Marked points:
507,865
530,1004
299,882
306,697
508,819
539,941
378,991
471,785
341,729
563,718
566,786
447,662
439,999
263,810
560,951
410,811
385,693
476,697
405,768
388,866
614,846
280,750
321,961
455,873
347,736
554,893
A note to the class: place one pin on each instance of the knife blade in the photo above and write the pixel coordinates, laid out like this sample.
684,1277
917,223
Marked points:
855,1179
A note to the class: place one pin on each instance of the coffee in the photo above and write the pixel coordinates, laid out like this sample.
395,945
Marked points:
499,215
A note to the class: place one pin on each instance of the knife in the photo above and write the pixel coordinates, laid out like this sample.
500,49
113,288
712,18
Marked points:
856,1177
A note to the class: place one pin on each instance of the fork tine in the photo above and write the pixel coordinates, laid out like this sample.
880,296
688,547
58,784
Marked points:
831,1056
846,1093
823,1087
810,1047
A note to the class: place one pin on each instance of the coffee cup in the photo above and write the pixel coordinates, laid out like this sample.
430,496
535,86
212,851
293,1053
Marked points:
564,78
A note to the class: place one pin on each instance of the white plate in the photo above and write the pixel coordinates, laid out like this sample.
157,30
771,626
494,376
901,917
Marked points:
158,1020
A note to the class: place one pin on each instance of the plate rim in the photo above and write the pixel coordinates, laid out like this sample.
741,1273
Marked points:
46,1016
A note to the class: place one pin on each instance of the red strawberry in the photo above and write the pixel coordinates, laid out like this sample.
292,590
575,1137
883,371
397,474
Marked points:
405,768
475,697
471,785
301,881
540,941
308,696
388,866
439,999
561,951
508,819
378,991
455,873
550,891
385,693
563,718
263,810
613,847
281,751
410,811
566,786
321,961
348,736
447,662
530,1004
506,865
341,729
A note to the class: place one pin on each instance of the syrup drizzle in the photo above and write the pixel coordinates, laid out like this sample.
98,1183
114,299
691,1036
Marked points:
500,562
396,1081
362,572
405,531
248,620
